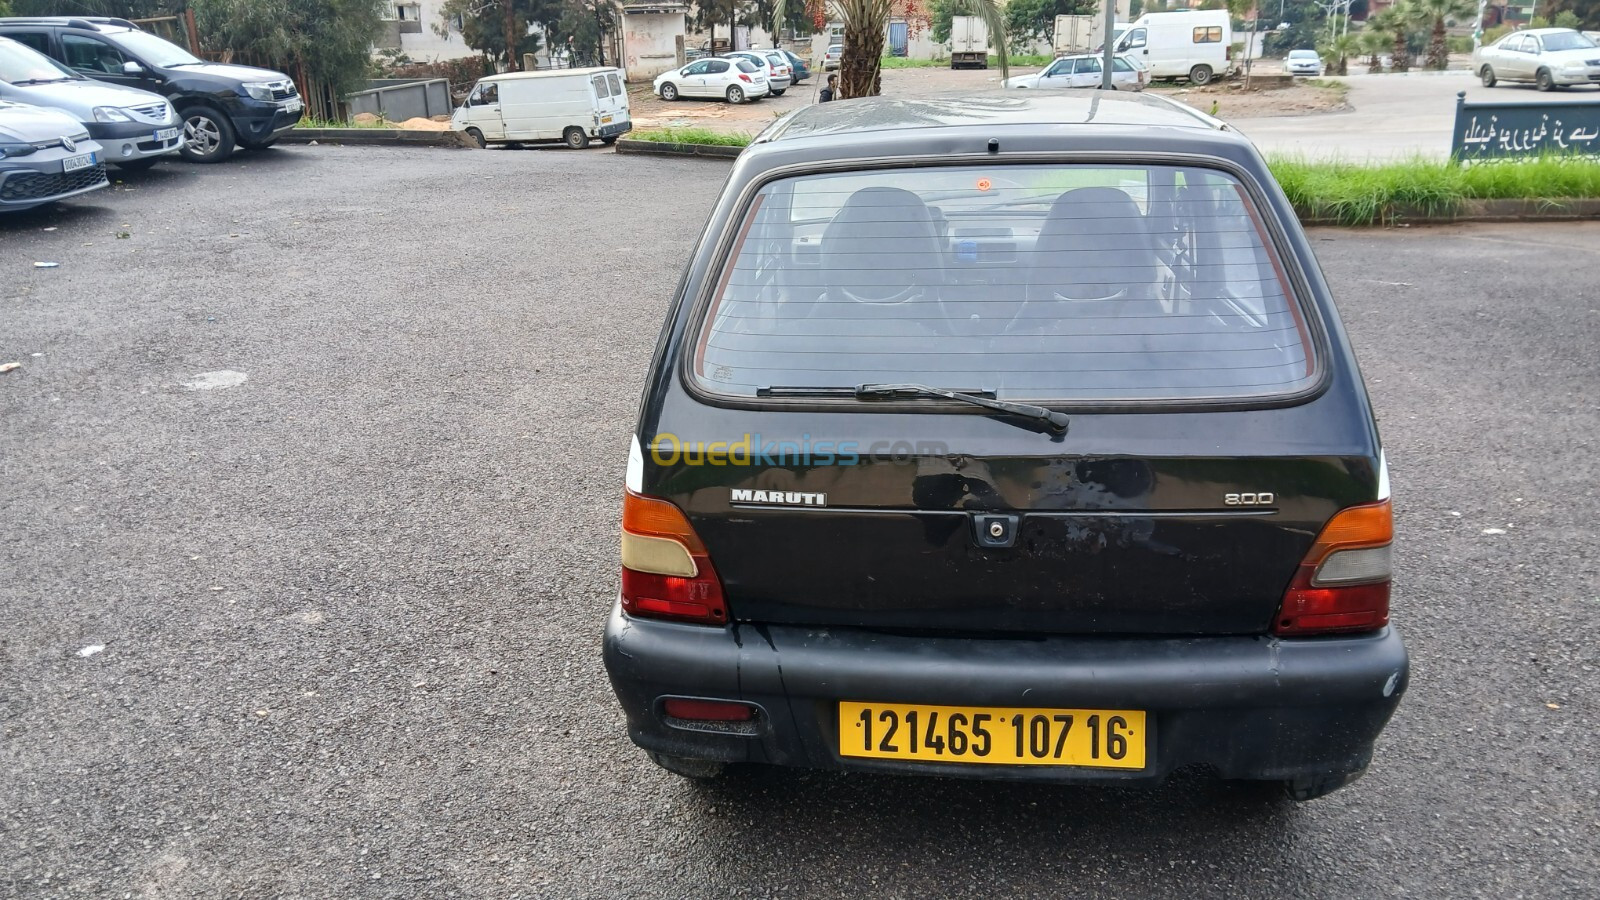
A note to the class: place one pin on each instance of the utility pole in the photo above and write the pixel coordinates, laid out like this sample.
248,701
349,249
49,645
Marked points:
1109,53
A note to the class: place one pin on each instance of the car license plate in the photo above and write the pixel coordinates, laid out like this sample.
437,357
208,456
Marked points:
293,106
74,163
166,134
1102,738
605,120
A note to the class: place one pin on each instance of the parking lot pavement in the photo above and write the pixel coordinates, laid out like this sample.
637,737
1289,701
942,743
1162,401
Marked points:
350,608
1393,116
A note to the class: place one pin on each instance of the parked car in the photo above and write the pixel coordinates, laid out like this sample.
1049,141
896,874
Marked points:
45,156
1192,44
735,80
802,71
135,128
1303,62
1084,71
948,463
775,64
222,106
570,105
1547,57
830,57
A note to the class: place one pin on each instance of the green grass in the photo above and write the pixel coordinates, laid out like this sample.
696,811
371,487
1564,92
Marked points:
1353,194
693,136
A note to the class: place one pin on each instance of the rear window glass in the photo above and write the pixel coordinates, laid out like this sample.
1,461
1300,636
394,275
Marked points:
746,65
1033,282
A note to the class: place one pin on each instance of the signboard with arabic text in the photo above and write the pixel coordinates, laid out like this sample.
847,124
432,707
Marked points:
1508,130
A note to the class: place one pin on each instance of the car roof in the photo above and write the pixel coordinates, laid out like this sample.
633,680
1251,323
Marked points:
87,23
547,73
1039,111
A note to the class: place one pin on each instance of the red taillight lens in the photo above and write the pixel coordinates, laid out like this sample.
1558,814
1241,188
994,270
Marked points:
1343,583
708,710
745,78
666,572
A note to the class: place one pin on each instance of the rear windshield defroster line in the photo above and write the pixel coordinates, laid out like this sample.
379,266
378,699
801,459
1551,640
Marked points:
1034,283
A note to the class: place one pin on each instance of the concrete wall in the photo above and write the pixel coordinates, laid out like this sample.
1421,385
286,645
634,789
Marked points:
650,37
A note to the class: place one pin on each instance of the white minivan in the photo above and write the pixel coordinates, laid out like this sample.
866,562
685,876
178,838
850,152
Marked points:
1195,44
571,105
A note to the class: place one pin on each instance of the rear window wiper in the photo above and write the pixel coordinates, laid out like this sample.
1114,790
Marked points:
1055,421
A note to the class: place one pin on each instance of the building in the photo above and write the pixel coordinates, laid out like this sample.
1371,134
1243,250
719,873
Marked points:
408,28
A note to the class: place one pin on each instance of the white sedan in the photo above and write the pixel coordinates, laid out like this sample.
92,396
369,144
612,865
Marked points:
735,80
1083,71
1303,62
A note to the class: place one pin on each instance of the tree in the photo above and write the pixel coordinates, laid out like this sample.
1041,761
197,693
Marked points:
492,26
126,9
1373,42
330,40
1395,22
1438,11
582,26
1337,52
861,61
1035,20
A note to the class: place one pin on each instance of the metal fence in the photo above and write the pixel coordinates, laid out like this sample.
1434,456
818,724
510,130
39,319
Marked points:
400,99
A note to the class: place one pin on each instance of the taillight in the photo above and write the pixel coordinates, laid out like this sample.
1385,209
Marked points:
1227,53
1343,583
744,77
666,572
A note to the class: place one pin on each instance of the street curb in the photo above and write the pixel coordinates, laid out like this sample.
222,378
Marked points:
1563,210
377,137
660,148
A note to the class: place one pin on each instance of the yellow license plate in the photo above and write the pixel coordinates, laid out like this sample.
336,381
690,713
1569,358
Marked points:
1103,738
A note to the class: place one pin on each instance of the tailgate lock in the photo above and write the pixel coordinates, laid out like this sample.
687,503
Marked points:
995,529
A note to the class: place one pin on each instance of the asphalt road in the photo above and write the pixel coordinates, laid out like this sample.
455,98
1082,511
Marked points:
1392,116
351,607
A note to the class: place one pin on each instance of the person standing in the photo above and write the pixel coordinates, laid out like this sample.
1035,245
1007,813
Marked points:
831,91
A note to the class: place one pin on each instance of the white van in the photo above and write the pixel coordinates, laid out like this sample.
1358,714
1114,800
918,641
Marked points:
1196,44
571,105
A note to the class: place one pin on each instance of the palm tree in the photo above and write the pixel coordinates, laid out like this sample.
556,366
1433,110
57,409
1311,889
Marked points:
1438,11
864,24
1395,22
1373,42
1337,52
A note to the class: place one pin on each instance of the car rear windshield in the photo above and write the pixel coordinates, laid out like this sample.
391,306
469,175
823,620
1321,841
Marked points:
1044,282
747,66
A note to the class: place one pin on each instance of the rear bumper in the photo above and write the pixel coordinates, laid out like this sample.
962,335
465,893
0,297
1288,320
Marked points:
1247,707
613,129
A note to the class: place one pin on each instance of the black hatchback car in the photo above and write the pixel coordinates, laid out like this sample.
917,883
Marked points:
222,106
1006,437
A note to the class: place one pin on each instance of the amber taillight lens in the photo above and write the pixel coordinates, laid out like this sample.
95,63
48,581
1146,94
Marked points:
666,572
1342,585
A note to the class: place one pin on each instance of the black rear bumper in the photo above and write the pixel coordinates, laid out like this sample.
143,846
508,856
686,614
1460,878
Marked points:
1247,707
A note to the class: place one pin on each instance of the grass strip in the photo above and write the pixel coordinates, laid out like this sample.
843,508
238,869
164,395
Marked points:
1357,194
693,136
